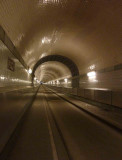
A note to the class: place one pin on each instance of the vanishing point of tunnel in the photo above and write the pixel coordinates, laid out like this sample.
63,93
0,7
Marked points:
60,79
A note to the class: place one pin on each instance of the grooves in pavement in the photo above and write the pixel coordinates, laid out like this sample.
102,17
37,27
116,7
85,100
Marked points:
33,141
86,137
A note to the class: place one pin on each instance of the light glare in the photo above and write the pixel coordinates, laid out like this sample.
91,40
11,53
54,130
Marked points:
66,80
30,71
46,40
57,81
91,74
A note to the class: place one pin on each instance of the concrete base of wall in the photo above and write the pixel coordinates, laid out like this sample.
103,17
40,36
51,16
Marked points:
103,96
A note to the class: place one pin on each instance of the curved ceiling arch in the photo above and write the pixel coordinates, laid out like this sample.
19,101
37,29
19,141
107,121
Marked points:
59,70
59,58
88,32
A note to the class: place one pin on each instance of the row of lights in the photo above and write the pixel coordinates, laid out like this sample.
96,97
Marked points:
19,80
58,82
91,75
48,1
14,79
2,77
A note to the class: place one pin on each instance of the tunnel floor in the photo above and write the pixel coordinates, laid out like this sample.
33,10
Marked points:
54,129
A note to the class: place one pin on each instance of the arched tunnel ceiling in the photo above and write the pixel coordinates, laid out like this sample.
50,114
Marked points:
51,70
86,31
57,58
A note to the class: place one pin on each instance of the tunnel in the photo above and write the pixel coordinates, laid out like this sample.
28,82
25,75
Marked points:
60,79
58,58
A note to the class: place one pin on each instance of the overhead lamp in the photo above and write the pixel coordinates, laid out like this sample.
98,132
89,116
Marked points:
30,71
65,80
2,77
91,74
46,40
35,78
92,67
57,81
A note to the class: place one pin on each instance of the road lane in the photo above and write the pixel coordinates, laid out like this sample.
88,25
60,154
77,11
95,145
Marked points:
86,138
33,142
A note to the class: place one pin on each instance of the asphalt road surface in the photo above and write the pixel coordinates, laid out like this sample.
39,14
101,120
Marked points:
56,130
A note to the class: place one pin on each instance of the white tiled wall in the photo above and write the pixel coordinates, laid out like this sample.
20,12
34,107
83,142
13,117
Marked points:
7,77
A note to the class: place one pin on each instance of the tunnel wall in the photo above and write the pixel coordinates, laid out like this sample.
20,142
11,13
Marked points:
17,75
104,79
13,69
16,92
106,88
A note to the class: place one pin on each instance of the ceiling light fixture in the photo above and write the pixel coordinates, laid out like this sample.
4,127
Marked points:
65,80
30,71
